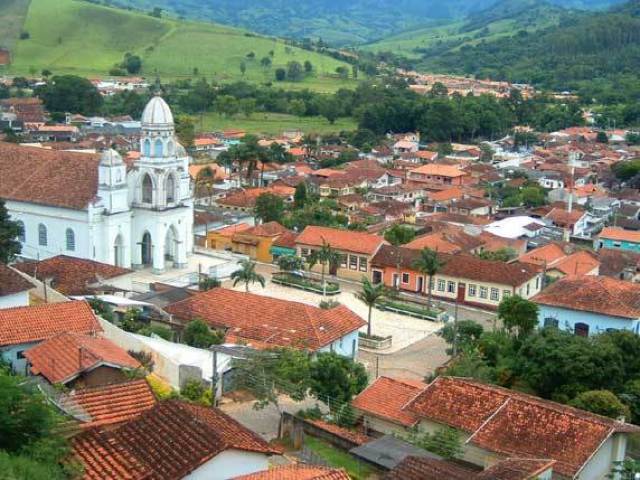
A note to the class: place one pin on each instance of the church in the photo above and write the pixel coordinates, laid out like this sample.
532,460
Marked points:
96,206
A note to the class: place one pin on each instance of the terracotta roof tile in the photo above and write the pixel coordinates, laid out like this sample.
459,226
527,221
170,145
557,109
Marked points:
596,294
614,233
515,424
439,170
460,266
345,240
449,240
350,435
33,324
516,469
247,198
425,468
65,356
385,398
579,263
546,254
12,282
298,472
166,442
286,240
71,275
269,229
264,319
109,404
48,177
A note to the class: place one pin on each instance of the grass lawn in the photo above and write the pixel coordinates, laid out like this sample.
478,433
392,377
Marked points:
74,36
339,458
13,14
271,123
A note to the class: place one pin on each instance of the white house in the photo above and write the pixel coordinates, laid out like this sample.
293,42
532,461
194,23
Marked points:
99,208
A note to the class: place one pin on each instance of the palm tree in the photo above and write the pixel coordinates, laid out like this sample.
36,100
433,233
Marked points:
247,274
370,295
325,256
429,264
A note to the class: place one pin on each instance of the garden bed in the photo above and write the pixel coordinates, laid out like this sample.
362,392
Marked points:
307,284
374,342
412,309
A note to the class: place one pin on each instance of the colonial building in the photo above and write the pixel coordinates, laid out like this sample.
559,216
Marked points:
99,208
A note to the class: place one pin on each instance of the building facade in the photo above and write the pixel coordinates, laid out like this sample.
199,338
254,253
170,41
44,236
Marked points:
102,209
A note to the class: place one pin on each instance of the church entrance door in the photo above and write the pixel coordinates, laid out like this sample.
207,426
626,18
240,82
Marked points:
147,256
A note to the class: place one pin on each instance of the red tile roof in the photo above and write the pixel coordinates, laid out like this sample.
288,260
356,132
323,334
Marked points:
166,442
386,397
62,358
460,266
12,282
614,233
515,424
597,294
579,263
516,469
448,240
344,240
48,177
286,240
247,198
109,404
425,468
352,436
546,254
273,321
440,170
33,324
269,229
298,472
71,275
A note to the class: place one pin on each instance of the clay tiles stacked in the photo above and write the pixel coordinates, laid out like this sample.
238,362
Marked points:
33,324
298,472
71,275
65,356
263,319
166,442
109,404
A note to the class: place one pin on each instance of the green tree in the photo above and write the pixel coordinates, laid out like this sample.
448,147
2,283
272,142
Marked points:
445,442
343,72
370,295
297,107
295,71
300,196
399,235
243,68
132,320
193,390
70,93
335,379
504,254
518,313
207,283
265,62
185,130
227,105
290,263
247,106
601,137
132,63
198,334
465,334
9,233
602,402
533,196
625,470
269,207
308,66
281,74
247,274
429,264
325,256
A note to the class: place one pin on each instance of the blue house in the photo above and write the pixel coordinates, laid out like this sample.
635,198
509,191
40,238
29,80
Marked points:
618,238
588,305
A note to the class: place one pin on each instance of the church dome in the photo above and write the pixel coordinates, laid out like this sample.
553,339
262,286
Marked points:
110,158
157,113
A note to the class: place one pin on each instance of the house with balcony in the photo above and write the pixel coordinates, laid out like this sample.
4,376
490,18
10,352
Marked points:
436,176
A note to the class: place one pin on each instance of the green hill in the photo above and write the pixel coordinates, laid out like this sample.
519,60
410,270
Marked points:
73,36
498,21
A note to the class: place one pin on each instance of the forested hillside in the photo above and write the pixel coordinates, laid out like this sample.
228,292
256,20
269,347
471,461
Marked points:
337,22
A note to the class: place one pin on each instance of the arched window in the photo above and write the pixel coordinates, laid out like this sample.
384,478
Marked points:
147,189
581,329
146,147
22,235
170,148
71,239
157,148
42,235
171,189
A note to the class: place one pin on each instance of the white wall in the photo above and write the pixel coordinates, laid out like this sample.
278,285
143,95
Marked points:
344,346
230,464
20,299
600,464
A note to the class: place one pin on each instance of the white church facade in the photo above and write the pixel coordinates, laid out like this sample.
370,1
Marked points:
98,207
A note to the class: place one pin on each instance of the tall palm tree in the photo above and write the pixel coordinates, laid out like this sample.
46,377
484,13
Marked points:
370,295
247,274
429,264
326,256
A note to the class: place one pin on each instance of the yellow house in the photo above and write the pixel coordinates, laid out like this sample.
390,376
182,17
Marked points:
220,239
256,242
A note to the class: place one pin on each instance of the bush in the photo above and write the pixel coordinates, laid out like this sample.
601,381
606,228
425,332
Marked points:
329,304
25,35
198,334
163,332
602,402
312,413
